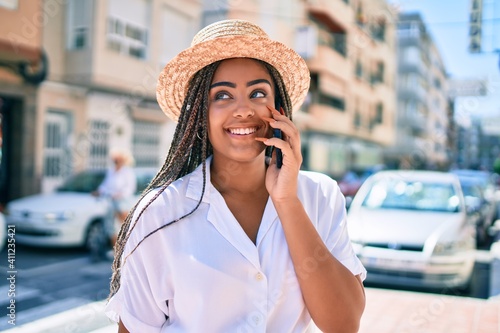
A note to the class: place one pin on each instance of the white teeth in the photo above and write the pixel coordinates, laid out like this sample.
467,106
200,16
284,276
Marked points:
243,131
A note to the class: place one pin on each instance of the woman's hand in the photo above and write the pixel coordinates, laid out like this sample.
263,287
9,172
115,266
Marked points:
282,183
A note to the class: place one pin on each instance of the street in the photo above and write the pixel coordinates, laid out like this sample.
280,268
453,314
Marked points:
49,281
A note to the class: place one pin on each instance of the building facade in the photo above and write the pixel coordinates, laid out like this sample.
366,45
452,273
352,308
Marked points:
423,116
99,93
350,114
23,67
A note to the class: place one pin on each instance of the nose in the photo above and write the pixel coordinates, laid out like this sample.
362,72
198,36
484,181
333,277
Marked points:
244,110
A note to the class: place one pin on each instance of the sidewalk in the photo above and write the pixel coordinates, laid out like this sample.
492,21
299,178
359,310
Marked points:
387,311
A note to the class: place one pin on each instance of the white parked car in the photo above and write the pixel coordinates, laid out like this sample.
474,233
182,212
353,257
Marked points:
412,228
70,216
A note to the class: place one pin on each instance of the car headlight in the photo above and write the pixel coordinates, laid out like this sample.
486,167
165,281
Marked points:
58,216
442,248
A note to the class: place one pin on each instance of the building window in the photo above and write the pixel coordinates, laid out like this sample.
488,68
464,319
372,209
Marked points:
378,75
334,102
99,144
378,30
127,38
128,27
357,120
379,113
437,83
78,24
57,153
333,36
146,143
359,69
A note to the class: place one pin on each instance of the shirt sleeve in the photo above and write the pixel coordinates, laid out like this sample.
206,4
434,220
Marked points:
338,240
333,227
135,304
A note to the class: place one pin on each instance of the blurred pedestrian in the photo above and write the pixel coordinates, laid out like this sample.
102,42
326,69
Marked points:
119,185
225,239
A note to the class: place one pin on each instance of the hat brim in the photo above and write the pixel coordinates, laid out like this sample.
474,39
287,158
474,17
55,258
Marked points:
174,79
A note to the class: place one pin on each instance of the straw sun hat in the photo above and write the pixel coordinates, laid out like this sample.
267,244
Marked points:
224,40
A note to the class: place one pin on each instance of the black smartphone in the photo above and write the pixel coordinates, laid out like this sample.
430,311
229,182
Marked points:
277,134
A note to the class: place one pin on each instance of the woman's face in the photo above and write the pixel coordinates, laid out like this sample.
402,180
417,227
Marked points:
240,92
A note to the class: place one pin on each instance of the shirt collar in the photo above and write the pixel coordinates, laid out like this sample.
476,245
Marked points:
193,192
196,182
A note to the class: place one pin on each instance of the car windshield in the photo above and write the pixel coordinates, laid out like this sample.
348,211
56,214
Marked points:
471,190
479,177
84,182
412,195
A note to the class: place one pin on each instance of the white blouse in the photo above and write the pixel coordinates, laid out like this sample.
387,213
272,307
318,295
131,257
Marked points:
204,274
120,183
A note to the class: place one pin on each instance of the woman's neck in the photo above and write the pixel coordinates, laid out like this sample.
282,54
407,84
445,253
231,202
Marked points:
238,177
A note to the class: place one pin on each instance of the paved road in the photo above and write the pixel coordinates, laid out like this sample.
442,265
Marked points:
48,281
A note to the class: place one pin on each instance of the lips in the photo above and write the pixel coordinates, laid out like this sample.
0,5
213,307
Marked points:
242,131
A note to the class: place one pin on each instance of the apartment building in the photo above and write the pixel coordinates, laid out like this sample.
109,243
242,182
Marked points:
99,94
349,46
351,110
23,66
424,114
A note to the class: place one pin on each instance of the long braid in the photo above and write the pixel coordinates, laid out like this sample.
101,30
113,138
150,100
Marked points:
186,153
190,147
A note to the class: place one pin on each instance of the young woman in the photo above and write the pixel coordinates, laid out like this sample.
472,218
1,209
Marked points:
224,240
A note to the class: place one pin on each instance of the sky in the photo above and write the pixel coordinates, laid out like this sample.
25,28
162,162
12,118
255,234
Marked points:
448,23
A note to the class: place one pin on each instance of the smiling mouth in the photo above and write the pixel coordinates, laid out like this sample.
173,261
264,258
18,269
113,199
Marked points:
242,131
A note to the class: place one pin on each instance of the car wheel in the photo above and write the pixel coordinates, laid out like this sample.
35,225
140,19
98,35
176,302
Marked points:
96,240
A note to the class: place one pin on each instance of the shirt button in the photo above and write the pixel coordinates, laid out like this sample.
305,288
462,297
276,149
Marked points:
259,276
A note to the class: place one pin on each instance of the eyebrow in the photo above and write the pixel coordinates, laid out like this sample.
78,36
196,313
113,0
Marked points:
251,83
223,83
233,85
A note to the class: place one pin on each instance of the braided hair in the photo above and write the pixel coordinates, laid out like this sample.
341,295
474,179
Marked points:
190,147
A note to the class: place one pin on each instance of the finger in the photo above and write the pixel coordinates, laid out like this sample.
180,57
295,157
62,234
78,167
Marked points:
277,115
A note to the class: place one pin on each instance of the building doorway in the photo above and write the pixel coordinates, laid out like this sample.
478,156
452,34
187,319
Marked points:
10,148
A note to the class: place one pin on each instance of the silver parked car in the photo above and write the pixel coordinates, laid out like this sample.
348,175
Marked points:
412,228
70,216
